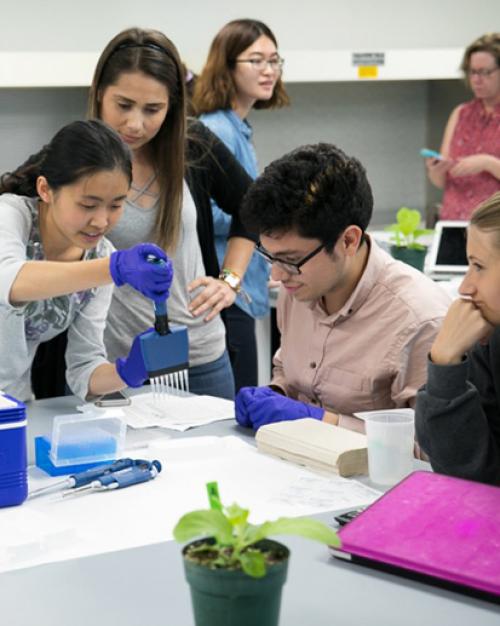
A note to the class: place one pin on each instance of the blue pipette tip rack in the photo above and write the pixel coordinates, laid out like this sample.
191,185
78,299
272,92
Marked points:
44,462
79,442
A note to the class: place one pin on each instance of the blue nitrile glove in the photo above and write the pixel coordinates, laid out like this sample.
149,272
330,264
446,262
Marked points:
132,266
256,406
132,369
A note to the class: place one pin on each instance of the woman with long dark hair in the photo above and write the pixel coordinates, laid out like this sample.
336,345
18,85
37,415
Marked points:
138,89
57,268
243,71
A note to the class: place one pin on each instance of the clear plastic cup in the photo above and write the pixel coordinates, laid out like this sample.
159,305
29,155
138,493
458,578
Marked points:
390,446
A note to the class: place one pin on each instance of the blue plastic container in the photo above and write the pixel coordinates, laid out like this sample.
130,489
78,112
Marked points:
13,455
44,462
81,441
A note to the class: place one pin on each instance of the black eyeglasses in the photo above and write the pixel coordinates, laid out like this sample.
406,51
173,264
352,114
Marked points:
260,65
483,73
287,266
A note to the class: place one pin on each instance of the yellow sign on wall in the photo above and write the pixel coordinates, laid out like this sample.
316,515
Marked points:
367,71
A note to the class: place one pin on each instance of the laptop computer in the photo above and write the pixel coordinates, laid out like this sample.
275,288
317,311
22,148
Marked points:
432,528
447,256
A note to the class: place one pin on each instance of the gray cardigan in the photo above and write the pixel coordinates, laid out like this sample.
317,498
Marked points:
23,328
457,415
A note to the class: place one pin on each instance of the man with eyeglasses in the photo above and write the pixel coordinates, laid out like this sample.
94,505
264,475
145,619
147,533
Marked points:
356,325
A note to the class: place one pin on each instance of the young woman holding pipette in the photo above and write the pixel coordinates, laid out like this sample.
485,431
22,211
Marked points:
56,267
138,89
243,72
458,411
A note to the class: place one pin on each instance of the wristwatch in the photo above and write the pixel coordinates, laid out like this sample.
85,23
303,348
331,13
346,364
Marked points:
231,278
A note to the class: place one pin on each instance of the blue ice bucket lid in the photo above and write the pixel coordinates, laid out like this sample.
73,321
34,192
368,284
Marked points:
11,410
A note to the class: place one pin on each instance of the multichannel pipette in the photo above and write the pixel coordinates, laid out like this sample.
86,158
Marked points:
166,351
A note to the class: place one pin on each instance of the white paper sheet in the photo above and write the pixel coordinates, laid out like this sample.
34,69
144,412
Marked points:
176,412
147,513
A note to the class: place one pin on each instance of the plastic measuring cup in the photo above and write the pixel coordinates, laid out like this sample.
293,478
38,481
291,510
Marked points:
390,446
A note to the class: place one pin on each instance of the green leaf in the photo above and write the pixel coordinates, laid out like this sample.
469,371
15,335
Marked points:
408,220
420,232
236,515
252,534
253,563
304,527
392,228
204,523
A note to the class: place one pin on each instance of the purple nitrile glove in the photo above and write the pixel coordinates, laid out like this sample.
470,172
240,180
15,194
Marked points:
131,368
136,267
256,406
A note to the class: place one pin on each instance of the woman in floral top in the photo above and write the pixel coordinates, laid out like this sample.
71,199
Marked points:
56,267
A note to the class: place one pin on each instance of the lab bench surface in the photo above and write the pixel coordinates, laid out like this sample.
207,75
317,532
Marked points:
146,585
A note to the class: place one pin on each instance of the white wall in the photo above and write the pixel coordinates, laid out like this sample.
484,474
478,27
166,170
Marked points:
384,124
315,24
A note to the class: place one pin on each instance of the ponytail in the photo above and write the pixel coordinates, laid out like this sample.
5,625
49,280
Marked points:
79,149
22,181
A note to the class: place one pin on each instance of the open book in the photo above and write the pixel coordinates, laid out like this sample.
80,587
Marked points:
315,444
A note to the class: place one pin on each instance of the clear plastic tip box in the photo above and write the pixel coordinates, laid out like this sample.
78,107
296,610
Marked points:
81,441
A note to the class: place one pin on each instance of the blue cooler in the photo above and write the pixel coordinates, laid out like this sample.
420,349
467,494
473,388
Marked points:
13,455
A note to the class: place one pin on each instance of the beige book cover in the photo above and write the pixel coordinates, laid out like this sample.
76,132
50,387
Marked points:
315,444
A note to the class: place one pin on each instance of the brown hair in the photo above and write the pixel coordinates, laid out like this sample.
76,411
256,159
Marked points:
153,54
487,216
215,88
486,43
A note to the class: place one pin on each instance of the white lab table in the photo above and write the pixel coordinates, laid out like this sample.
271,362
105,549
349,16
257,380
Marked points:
146,586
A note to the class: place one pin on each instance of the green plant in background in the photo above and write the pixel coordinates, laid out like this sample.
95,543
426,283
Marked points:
233,542
406,230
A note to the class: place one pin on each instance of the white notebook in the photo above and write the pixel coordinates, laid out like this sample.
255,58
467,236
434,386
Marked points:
315,444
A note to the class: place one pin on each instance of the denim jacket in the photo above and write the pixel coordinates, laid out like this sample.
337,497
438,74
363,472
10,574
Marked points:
237,135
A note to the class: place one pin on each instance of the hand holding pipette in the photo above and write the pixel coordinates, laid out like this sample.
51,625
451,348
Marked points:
145,267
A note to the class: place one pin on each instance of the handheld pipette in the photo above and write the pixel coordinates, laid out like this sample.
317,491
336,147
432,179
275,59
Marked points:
84,478
139,473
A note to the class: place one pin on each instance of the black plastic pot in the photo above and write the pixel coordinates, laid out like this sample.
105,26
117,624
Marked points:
232,598
415,258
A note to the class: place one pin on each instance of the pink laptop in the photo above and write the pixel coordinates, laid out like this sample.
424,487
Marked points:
435,528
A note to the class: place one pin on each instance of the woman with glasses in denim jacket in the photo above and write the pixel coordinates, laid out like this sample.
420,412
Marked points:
242,72
469,167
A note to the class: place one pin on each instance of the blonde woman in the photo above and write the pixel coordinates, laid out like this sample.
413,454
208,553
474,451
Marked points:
458,411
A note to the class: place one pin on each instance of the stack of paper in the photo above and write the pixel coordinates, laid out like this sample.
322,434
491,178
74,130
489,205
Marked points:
176,412
316,444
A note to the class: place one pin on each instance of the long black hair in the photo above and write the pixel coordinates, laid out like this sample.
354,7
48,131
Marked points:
79,149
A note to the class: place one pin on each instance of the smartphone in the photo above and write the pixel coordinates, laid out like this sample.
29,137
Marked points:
430,154
117,398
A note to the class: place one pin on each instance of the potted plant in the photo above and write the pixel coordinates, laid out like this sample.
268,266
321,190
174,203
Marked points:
235,572
405,232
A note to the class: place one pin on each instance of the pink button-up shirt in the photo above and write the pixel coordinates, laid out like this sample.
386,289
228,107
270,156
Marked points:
372,354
